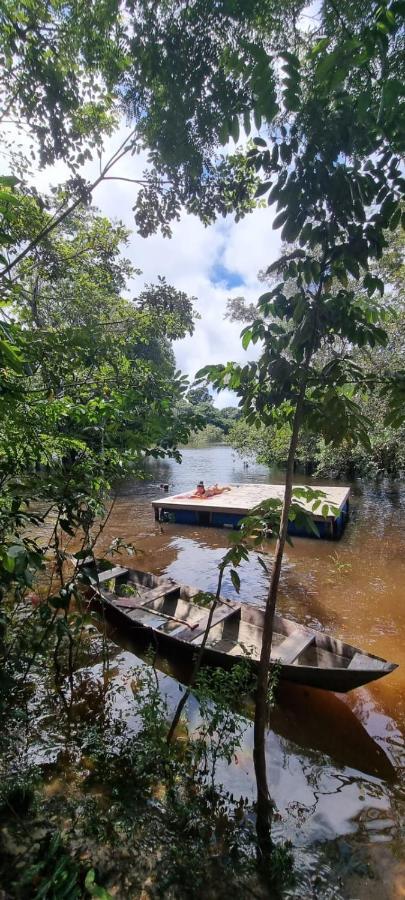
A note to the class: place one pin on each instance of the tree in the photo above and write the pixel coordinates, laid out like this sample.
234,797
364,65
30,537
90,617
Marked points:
95,391
60,66
189,77
210,434
214,423
198,394
136,63
384,454
333,172
76,277
175,306
238,310
269,445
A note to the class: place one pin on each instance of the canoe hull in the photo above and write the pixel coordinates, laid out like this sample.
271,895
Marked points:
336,679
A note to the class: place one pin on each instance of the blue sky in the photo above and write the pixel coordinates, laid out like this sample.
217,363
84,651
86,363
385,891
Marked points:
221,275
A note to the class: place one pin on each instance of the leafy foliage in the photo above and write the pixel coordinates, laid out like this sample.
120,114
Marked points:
161,805
384,454
98,392
82,401
59,63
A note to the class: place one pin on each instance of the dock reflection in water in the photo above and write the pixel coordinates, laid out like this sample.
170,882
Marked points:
335,764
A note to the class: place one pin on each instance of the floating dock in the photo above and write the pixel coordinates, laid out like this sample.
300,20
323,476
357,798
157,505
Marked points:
227,509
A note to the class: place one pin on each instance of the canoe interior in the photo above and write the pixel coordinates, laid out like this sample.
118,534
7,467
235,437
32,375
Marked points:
173,613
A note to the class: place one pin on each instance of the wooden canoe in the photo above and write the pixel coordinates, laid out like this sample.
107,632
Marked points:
170,614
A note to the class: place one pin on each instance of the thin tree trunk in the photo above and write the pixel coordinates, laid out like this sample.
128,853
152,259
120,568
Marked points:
57,220
264,808
263,812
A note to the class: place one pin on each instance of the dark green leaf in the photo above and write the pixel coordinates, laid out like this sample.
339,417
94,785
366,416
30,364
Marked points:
235,580
263,188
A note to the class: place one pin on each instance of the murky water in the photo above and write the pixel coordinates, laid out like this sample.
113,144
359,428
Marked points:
335,763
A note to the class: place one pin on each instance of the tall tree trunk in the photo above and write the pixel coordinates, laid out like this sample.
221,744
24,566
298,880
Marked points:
263,810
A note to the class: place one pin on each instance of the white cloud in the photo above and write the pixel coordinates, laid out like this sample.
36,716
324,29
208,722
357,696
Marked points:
188,260
252,245
199,260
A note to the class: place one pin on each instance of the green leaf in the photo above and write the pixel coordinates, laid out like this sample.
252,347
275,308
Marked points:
16,550
291,229
7,197
285,153
263,188
263,564
11,355
280,219
319,47
234,129
258,121
246,337
316,270
352,266
395,219
95,890
9,180
307,270
223,133
235,580
7,562
67,527
265,298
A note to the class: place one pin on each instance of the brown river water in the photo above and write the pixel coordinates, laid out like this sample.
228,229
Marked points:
335,762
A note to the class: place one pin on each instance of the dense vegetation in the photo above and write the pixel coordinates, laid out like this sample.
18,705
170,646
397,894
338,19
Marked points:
213,424
89,387
384,456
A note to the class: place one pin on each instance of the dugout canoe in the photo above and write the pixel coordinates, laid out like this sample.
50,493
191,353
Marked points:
171,616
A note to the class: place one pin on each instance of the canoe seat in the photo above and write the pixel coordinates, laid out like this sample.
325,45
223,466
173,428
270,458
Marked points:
147,618
292,646
168,589
219,615
110,573
142,598
362,661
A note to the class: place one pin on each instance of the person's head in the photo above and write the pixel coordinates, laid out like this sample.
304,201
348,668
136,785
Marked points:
200,487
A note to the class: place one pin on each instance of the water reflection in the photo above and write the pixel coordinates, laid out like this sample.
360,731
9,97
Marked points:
335,764
333,784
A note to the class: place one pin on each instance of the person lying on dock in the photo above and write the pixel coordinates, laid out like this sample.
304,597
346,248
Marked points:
202,493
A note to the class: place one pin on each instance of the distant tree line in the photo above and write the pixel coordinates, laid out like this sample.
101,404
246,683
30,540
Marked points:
213,424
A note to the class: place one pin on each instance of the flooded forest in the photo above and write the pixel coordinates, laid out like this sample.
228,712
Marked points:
202,450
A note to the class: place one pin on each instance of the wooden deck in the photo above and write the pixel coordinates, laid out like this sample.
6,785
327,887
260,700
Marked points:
228,508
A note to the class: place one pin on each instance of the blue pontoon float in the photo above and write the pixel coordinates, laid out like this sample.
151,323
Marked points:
228,508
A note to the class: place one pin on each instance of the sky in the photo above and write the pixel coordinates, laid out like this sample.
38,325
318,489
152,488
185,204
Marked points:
209,263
